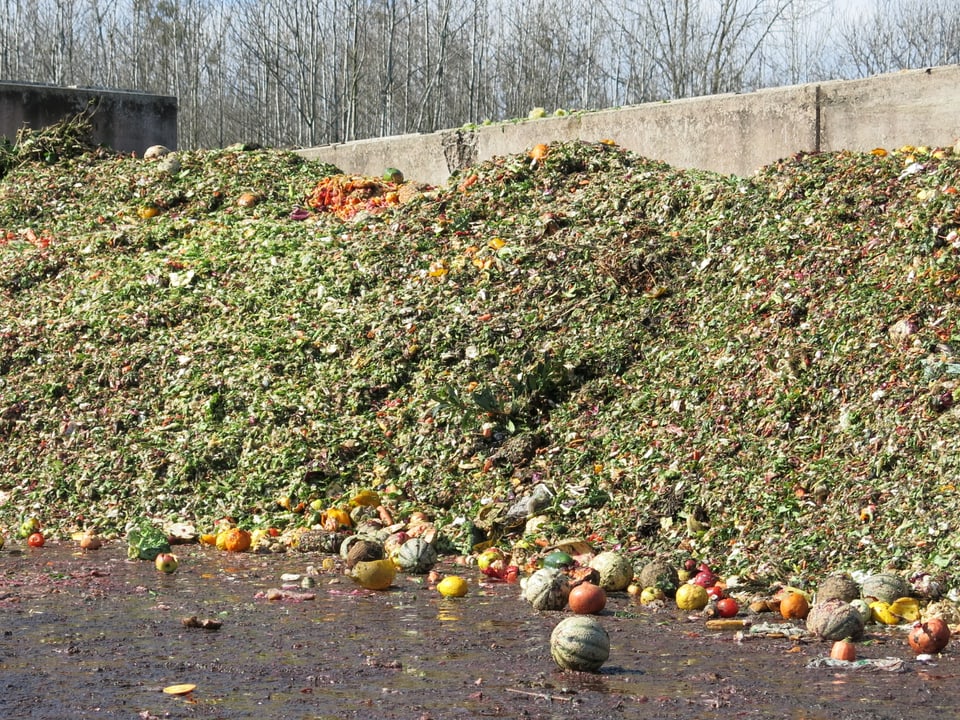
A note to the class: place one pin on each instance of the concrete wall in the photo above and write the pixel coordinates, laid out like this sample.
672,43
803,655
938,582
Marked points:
725,133
124,121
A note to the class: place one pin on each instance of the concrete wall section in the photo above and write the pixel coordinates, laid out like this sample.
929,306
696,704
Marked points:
124,121
419,157
914,107
734,134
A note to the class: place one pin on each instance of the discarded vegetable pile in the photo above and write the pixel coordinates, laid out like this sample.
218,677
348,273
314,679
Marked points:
760,371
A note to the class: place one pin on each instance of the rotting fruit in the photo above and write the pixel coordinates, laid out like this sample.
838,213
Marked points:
929,637
234,540
587,599
843,650
374,574
794,606
167,563
727,607
692,597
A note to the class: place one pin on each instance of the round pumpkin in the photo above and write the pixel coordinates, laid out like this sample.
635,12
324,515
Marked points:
885,587
416,556
616,570
547,589
835,620
587,599
580,643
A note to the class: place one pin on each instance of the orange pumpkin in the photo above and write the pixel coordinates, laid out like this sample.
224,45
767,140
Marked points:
843,650
234,540
794,606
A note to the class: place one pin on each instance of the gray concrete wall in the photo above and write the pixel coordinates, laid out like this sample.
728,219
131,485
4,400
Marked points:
734,134
124,121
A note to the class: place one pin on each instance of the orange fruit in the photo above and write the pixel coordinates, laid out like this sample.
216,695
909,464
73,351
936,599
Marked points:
794,606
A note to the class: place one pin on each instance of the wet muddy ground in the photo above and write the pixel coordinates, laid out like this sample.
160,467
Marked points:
97,636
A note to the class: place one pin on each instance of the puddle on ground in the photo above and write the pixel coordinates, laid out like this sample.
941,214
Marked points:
97,636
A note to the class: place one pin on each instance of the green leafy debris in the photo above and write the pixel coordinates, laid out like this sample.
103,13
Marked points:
756,370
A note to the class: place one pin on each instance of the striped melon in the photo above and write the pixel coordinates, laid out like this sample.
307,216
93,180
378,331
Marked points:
547,589
580,643
415,556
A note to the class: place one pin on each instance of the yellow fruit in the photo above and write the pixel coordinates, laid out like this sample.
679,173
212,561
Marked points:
882,614
452,586
148,211
374,574
208,539
651,594
907,609
365,498
692,597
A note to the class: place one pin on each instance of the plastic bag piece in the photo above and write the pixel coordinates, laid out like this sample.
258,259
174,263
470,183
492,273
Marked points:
890,664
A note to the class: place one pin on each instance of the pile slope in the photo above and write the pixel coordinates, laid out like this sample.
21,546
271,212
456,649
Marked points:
760,371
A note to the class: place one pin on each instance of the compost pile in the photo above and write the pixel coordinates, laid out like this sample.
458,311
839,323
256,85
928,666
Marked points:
760,371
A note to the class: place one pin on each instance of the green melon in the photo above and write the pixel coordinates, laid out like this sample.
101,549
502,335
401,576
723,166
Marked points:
580,643
558,559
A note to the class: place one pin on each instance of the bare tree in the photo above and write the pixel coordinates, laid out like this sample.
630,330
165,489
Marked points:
900,34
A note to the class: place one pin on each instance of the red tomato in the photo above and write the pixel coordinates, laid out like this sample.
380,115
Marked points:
727,607
35,540
715,592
